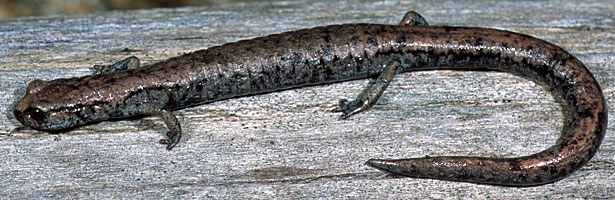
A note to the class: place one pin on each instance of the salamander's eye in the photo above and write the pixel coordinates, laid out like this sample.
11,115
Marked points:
36,114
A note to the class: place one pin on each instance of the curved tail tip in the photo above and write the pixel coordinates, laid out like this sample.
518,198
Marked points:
381,164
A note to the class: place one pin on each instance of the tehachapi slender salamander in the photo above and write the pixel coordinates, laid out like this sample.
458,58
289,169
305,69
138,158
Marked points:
332,54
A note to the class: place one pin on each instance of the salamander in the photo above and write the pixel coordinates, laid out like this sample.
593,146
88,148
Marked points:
337,53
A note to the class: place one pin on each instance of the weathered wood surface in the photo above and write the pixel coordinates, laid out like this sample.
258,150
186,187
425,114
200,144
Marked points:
286,144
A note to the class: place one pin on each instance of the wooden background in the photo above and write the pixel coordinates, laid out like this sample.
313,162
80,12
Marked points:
286,144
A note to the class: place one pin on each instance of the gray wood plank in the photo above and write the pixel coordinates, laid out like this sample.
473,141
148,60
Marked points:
286,144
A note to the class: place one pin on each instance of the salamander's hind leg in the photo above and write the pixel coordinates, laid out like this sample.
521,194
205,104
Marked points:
369,95
175,130
372,92
127,63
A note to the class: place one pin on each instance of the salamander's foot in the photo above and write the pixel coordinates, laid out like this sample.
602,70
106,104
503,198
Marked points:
412,18
127,63
175,131
172,141
348,108
369,95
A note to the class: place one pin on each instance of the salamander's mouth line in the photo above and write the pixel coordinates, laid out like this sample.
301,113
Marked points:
332,54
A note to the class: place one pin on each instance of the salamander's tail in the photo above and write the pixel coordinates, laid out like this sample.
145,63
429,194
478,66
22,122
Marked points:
493,171
576,146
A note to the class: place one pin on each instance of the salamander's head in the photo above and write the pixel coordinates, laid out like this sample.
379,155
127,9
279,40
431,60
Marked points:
47,106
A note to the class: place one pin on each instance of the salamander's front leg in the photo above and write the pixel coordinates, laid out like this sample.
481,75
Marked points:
369,95
127,63
175,130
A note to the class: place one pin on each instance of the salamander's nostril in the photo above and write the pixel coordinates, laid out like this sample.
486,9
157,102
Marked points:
16,113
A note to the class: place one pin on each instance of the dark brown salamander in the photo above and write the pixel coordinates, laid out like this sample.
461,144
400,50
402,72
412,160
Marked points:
332,54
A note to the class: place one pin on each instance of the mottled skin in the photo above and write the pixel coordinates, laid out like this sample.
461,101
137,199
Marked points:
333,54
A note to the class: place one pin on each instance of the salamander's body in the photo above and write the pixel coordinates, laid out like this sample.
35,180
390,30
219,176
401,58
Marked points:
332,54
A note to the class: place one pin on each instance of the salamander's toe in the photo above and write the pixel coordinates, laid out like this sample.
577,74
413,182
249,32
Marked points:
348,108
171,142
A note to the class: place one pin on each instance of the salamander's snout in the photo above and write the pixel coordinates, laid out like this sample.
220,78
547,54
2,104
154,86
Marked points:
52,105
18,110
